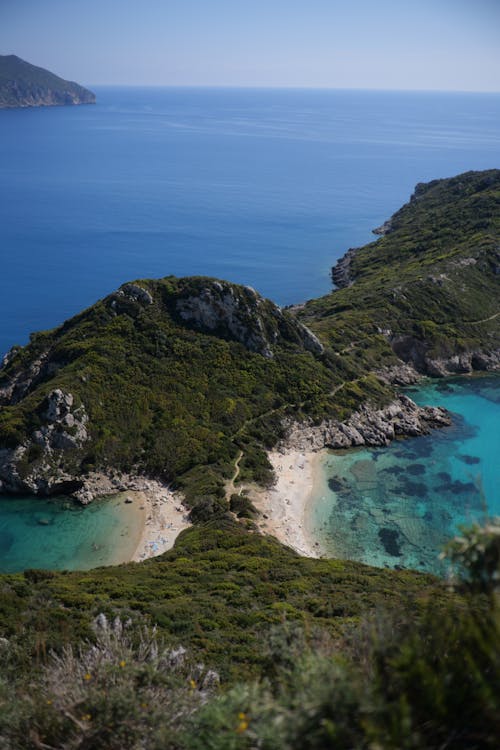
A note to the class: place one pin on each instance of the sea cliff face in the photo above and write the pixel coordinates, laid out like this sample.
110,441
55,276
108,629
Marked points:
25,85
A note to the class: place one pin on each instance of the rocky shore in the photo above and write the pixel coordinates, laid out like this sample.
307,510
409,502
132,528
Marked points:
415,354
368,426
341,271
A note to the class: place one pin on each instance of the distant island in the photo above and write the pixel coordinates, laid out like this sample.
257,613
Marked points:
26,85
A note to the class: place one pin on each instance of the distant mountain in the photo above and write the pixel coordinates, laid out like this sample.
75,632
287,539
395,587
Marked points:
25,85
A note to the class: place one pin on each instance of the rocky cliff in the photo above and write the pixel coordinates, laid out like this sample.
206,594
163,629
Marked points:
367,426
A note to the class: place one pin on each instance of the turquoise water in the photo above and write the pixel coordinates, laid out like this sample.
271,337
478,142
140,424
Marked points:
60,535
397,506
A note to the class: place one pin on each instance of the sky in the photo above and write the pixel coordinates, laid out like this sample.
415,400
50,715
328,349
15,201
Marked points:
367,44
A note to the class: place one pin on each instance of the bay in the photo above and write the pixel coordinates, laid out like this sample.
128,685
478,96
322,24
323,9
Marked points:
262,187
57,534
397,506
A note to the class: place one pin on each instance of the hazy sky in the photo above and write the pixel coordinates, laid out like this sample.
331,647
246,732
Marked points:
391,44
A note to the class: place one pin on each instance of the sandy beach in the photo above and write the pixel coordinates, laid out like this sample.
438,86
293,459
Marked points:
162,516
284,508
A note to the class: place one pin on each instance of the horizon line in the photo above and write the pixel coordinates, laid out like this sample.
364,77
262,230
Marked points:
252,87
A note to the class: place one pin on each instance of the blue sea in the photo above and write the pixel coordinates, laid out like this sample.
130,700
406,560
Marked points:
262,187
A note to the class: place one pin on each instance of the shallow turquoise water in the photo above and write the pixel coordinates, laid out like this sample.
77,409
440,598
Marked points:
59,535
397,506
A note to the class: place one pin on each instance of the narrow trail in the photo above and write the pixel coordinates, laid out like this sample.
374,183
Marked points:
484,320
252,420
231,489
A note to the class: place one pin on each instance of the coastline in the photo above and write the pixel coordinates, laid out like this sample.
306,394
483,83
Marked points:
284,507
164,517
158,516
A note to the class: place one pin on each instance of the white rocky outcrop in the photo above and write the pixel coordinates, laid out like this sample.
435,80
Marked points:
368,426
64,428
242,314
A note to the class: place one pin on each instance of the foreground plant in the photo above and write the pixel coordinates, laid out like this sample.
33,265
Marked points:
126,690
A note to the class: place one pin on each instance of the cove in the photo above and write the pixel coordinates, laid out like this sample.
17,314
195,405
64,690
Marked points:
397,506
57,534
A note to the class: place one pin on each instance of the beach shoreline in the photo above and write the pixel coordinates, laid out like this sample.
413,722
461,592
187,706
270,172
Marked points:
161,516
284,508
164,519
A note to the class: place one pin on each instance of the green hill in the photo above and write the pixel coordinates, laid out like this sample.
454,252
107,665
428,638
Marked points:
427,292
26,85
171,378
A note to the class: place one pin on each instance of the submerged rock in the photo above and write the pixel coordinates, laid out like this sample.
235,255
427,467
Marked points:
389,538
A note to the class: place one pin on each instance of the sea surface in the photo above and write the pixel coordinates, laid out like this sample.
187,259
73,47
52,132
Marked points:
397,506
262,187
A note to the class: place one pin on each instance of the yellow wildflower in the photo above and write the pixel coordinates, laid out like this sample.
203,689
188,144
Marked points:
122,663
193,684
242,727
87,677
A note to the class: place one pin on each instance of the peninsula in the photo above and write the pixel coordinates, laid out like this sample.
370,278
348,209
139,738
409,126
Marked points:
172,379
197,385
26,85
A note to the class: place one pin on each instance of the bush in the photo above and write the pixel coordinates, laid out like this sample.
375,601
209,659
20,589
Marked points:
126,690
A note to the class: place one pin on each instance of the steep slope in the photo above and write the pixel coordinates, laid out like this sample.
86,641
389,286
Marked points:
428,292
168,377
26,85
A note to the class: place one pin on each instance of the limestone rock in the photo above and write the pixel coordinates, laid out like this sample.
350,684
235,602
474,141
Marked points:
137,293
242,314
64,428
368,426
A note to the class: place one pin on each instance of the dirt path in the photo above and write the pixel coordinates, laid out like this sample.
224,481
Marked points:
231,489
485,320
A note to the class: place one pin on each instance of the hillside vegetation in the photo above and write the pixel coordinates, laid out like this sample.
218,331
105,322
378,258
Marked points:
428,291
253,647
170,378
173,378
